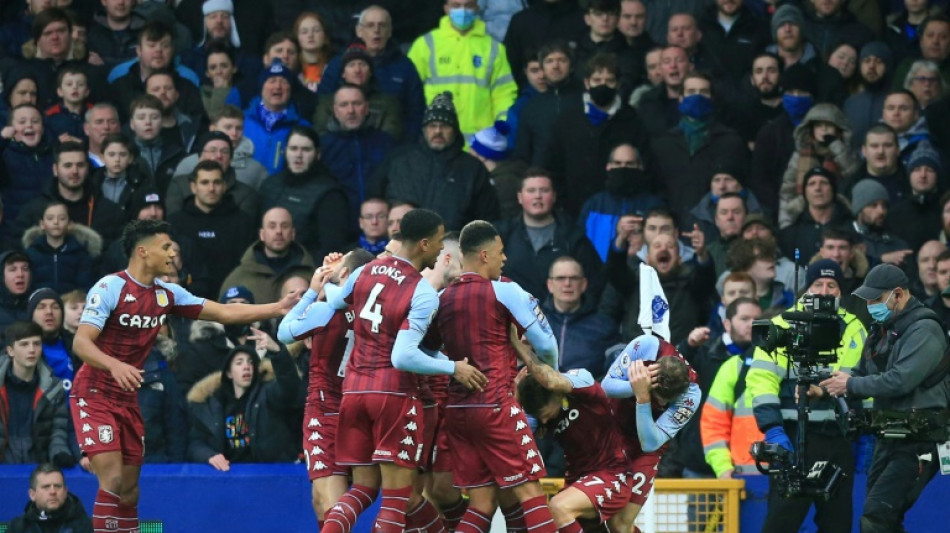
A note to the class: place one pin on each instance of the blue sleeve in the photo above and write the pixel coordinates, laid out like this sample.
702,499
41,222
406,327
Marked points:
579,378
101,300
305,317
407,354
330,80
336,297
653,434
617,382
527,312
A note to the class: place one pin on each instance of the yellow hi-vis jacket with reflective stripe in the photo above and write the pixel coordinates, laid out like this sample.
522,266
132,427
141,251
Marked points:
727,425
473,67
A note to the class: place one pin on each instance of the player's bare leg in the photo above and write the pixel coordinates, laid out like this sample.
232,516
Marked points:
569,505
325,492
116,504
342,516
622,522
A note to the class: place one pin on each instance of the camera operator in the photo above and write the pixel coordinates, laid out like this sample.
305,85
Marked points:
772,385
902,371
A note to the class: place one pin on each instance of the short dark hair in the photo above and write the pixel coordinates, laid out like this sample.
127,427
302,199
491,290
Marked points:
161,72
137,231
781,64
348,85
44,468
54,203
535,172
908,94
307,132
944,255
474,235
155,30
744,252
734,195
145,101
65,147
228,111
219,46
835,234
279,37
938,17
733,308
602,61
880,129
555,45
673,377
603,6
206,165
662,212
48,16
21,330
532,395
357,258
21,106
119,138
419,224
70,69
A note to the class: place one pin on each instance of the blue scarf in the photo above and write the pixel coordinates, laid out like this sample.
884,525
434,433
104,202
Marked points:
696,132
268,117
595,115
373,248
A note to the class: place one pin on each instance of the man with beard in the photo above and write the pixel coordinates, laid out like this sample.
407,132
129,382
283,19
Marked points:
919,212
52,506
45,309
869,202
435,173
757,100
84,204
882,163
790,43
688,286
659,106
864,108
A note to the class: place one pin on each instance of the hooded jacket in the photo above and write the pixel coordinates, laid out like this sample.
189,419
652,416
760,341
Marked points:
69,267
274,389
450,182
838,156
50,415
259,277
318,205
70,518
269,146
583,336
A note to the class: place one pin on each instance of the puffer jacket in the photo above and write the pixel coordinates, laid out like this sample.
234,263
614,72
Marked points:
259,277
69,267
70,518
50,415
275,389
838,157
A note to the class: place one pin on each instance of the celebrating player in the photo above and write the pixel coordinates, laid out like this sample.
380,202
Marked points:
381,424
488,435
656,395
122,318
331,342
574,408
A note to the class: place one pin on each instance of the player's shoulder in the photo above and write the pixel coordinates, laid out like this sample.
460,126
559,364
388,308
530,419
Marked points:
111,282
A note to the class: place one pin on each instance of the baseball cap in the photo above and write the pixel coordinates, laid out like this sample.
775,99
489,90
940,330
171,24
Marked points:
883,277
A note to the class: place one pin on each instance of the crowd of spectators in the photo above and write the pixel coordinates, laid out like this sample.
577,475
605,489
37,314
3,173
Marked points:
718,142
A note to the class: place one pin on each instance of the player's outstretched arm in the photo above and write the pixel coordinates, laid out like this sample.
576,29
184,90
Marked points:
547,377
127,376
236,313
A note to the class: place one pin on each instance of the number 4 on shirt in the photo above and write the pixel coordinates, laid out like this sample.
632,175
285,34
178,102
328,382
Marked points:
371,310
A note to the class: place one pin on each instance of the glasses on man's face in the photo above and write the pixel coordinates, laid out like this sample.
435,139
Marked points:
379,217
217,151
926,79
566,279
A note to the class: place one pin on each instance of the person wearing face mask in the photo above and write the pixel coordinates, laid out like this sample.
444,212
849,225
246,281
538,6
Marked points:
627,192
772,394
903,369
582,136
461,58
684,154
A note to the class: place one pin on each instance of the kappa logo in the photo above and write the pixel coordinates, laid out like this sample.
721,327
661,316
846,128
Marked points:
314,423
112,523
622,478
530,455
88,442
315,436
520,425
535,468
319,465
403,455
514,412
616,485
600,500
161,297
609,493
316,450
411,426
83,414
407,441
412,411
129,298
525,440
86,428
105,434
82,403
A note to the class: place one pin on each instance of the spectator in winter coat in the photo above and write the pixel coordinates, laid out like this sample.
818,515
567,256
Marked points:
919,212
16,289
62,253
212,146
45,309
163,406
27,163
230,121
314,198
583,333
236,414
119,180
67,116
158,154
52,507
113,34
863,109
269,117
35,421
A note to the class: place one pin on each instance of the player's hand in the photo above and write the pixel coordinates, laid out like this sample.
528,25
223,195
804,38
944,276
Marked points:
320,277
127,376
641,380
264,341
469,376
523,373
288,302
698,337
86,464
332,259
220,463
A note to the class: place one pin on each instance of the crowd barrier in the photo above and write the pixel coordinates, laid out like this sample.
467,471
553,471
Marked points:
185,498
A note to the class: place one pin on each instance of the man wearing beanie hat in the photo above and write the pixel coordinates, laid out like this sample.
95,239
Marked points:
823,210
45,308
461,58
864,108
909,345
869,204
212,146
437,174
491,147
787,31
270,116
920,211
773,396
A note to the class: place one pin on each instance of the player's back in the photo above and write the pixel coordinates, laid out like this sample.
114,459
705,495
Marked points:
330,350
129,316
382,297
586,417
474,324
